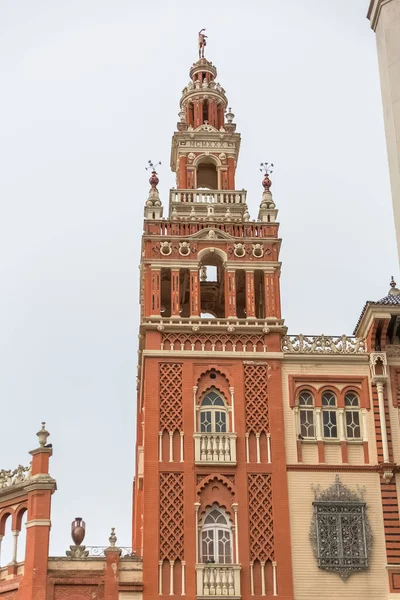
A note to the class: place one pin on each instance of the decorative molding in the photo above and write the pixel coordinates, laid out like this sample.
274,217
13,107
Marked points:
18,476
322,344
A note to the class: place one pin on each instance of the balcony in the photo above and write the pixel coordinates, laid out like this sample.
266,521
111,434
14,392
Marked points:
218,580
208,197
215,448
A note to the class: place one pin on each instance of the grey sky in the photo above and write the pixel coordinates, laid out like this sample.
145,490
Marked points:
90,91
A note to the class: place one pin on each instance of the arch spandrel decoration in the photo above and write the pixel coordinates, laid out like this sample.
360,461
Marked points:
256,398
340,532
171,516
261,517
171,417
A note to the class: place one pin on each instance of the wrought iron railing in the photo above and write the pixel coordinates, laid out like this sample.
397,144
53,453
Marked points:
99,551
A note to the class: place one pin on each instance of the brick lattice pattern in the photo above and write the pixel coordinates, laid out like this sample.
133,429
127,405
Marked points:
261,518
256,398
171,516
171,418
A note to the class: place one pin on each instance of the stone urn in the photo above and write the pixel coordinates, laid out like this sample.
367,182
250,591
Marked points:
266,183
78,528
153,179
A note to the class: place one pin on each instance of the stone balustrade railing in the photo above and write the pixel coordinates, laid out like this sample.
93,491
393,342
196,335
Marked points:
10,478
215,448
182,229
208,197
218,580
323,344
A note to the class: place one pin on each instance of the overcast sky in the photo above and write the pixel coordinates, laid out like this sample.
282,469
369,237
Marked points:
90,91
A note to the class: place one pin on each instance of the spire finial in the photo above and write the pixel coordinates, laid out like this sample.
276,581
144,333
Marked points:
43,434
392,282
267,169
153,179
113,538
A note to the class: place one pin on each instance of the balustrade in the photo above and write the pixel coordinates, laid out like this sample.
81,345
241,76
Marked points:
215,448
208,196
218,580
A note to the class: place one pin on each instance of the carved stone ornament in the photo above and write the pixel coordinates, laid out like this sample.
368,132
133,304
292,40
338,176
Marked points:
258,250
211,234
18,476
184,248
340,533
166,248
322,344
239,250
191,157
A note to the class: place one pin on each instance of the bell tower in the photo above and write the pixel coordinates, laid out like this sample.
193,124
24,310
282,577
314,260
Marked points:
210,494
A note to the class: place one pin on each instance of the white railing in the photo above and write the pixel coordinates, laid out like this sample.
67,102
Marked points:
323,344
215,447
208,196
218,580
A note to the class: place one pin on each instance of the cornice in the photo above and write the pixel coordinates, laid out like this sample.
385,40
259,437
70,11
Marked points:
374,11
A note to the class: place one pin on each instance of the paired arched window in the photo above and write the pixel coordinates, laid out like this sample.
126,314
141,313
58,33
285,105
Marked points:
213,414
216,537
329,424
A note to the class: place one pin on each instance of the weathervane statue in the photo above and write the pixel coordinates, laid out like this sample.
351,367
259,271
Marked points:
202,43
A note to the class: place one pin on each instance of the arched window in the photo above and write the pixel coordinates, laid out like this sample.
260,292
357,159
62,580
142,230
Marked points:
352,415
216,537
329,415
306,415
213,414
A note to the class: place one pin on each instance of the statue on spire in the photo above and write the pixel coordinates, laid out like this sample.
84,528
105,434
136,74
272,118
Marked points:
202,43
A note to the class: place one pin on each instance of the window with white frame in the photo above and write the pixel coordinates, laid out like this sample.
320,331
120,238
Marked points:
352,416
216,537
213,414
306,416
329,415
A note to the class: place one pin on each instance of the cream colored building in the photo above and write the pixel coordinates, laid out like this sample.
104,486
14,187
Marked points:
385,21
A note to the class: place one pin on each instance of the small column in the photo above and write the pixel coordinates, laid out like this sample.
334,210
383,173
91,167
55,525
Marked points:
274,579
160,563
262,577
232,393
235,510
197,507
175,303
160,434
382,419
15,534
171,577
251,579
155,291
247,447
250,300
190,178
365,434
320,441
171,446
111,576
342,437
230,294
194,293
1,539
258,447
183,593
181,434
269,446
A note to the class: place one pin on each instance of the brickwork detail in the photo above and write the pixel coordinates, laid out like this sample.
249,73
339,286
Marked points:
171,516
261,517
62,592
256,398
171,418
213,343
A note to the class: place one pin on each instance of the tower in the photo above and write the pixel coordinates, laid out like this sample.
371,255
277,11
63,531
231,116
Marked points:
385,21
210,497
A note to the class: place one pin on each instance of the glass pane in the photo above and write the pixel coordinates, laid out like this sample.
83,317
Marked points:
224,546
353,429
207,546
307,427
305,399
205,421
328,399
351,399
220,421
329,422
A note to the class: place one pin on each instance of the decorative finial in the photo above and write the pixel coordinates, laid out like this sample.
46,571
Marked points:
393,291
392,282
113,538
267,169
78,530
201,43
153,179
229,115
43,434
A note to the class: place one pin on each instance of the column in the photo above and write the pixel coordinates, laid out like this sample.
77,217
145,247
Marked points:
230,294
342,437
382,420
231,173
194,293
111,575
155,291
365,434
250,300
182,172
318,428
175,301
269,294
